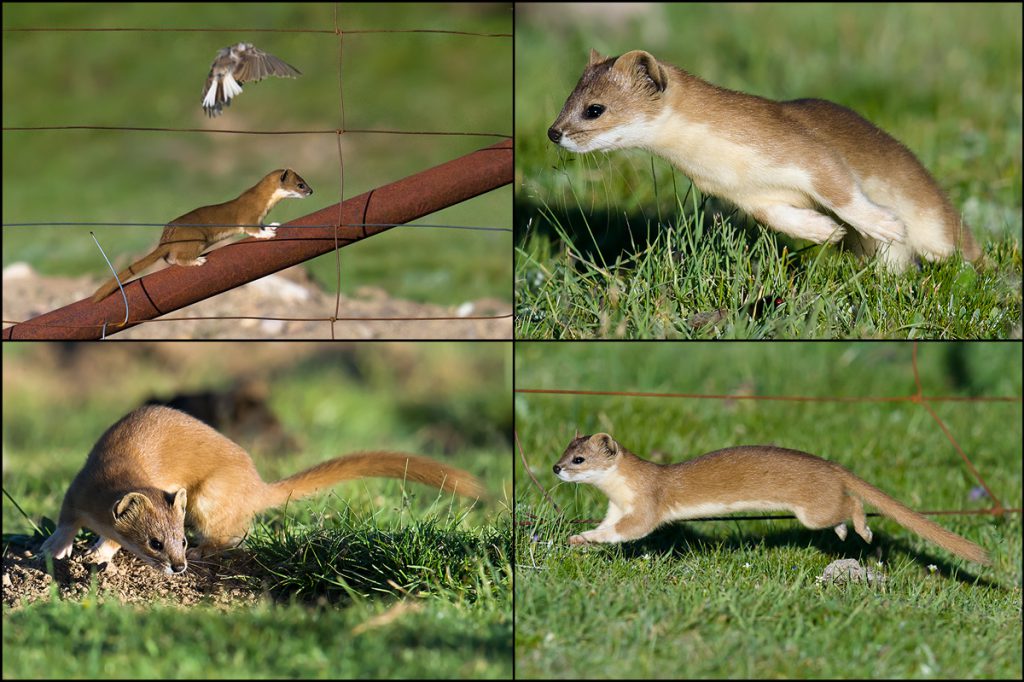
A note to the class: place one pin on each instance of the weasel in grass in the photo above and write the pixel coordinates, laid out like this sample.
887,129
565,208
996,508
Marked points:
643,495
157,470
185,238
808,168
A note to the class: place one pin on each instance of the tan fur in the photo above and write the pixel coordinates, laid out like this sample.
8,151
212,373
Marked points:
185,239
808,168
643,495
158,469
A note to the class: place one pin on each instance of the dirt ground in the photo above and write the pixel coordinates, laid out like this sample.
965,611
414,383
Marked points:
126,579
287,294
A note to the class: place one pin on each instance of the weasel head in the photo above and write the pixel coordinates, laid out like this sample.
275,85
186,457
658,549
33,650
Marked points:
615,104
589,459
286,183
151,525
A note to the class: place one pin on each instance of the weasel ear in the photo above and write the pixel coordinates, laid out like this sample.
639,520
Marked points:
131,506
595,57
577,433
605,443
177,500
284,174
643,65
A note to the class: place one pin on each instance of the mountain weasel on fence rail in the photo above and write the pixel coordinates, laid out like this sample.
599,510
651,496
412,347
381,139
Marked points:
157,470
808,168
643,495
187,237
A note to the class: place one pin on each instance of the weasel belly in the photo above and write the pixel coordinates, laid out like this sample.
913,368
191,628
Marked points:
679,512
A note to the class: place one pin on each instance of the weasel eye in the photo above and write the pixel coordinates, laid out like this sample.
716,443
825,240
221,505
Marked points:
593,111
156,545
578,460
302,185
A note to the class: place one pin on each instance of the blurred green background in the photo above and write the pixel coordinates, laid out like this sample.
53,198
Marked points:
451,401
868,434
402,81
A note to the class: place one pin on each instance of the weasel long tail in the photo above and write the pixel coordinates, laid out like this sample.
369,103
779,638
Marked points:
373,464
110,286
908,518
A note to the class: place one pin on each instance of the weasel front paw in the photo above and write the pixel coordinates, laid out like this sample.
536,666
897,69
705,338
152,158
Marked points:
577,540
267,232
829,235
889,229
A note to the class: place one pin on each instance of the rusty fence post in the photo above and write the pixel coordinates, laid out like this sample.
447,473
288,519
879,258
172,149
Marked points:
363,216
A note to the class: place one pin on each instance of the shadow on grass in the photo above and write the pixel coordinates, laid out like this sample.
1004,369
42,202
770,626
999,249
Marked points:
604,236
680,541
421,558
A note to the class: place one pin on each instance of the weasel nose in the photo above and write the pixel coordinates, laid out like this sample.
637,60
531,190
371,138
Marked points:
556,469
554,135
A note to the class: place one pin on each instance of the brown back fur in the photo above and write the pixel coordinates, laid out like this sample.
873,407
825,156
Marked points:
157,451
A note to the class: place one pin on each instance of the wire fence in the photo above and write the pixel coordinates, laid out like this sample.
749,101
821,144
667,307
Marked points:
918,397
131,317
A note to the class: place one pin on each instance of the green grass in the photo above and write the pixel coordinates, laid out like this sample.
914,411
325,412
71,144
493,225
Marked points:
619,245
739,598
401,81
326,564
292,641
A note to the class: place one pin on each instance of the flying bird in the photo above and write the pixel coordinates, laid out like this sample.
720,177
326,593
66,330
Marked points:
237,64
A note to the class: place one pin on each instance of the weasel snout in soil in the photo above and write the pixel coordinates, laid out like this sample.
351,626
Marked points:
157,470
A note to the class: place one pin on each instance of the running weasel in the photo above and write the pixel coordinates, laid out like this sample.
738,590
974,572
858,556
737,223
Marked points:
158,470
186,237
643,495
808,168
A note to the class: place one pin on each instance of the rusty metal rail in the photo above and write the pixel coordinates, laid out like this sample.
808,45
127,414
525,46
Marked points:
297,241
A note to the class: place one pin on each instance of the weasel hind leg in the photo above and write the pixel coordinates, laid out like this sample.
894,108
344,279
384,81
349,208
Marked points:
185,251
859,212
860,521
802,223
175,260
103,551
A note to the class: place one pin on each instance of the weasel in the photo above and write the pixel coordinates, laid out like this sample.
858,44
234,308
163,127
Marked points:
643,495
234,65
186,237
808,168
157,470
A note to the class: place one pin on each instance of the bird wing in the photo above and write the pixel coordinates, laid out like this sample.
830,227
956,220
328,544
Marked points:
221,63
255,64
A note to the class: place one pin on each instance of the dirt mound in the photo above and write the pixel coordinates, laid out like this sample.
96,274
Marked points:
25,580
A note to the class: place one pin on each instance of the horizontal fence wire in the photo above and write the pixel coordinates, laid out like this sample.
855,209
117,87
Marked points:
301,227
918,397
163,291
336,31
340,33
323,131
